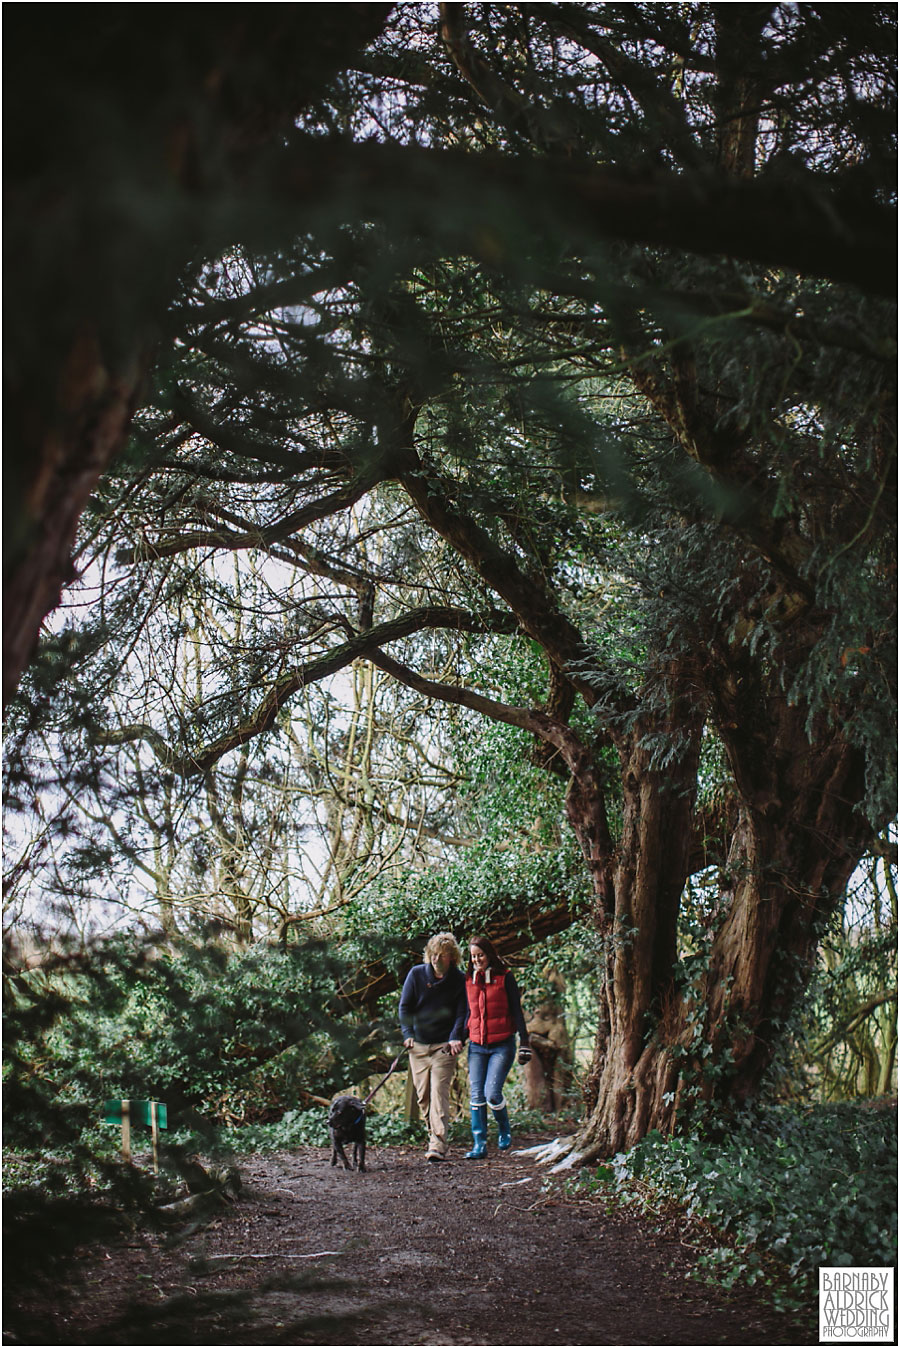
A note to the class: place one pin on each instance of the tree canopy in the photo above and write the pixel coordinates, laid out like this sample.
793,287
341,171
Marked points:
543,364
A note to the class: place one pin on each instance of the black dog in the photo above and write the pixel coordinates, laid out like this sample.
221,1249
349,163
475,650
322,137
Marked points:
347,1123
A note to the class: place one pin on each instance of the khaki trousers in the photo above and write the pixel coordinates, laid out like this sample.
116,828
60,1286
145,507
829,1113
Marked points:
432,1074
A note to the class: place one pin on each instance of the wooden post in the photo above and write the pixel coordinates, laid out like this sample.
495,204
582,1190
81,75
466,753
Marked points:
126,1129
154,1133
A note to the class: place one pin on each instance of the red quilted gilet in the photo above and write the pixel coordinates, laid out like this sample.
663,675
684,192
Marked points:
489,1015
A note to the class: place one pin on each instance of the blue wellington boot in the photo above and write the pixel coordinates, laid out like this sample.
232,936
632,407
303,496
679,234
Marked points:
504,1141
479,1132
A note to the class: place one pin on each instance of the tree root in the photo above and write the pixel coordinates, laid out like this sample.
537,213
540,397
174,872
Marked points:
212,1189
561,1151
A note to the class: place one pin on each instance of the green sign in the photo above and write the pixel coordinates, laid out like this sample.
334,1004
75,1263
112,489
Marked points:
139,1111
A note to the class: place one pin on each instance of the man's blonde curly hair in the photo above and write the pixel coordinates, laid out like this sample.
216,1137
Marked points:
445,940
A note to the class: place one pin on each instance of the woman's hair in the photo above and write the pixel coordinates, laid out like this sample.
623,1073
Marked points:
445,940
495,963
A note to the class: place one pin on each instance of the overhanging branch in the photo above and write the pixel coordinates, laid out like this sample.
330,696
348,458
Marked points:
812,224
263,718
226,539
511,932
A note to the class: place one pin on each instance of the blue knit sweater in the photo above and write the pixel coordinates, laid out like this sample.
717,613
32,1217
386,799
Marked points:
433,1010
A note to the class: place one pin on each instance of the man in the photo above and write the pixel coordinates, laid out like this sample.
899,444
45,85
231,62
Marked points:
432,1017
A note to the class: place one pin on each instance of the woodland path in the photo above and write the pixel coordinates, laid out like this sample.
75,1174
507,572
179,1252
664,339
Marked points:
408,1253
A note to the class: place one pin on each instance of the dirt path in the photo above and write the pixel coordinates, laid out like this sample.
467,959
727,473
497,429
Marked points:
409,1253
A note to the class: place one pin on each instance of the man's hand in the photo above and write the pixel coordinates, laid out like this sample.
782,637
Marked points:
455,1046
408,1043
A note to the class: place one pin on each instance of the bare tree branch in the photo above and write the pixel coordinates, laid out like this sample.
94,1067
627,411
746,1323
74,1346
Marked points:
189,765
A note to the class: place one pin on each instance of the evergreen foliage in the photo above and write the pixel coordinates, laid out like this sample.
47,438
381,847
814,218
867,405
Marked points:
216,1034
626,489
784,1191
529,367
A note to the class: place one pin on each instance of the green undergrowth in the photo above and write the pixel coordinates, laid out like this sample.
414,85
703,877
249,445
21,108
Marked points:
296,1128
309,1128
784,1191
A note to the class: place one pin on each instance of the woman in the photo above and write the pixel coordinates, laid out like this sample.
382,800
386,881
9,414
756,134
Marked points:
494,1018
432,1015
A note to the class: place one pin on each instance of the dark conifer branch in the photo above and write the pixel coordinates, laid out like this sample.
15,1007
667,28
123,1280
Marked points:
240,441
675,396
659,105
586,796
333,504
260,300
539,723
457,694
526,595
119,121
813,224
508,105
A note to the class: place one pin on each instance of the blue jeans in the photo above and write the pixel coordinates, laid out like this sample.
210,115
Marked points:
488,1069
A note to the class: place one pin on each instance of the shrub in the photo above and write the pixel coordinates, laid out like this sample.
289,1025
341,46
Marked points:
226,1035
803,1187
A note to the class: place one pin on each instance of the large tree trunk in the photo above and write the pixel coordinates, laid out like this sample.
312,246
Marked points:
134,136
662,1048
801,834
57,460
633,1075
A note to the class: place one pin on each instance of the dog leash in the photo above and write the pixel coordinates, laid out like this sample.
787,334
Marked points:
389,1072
